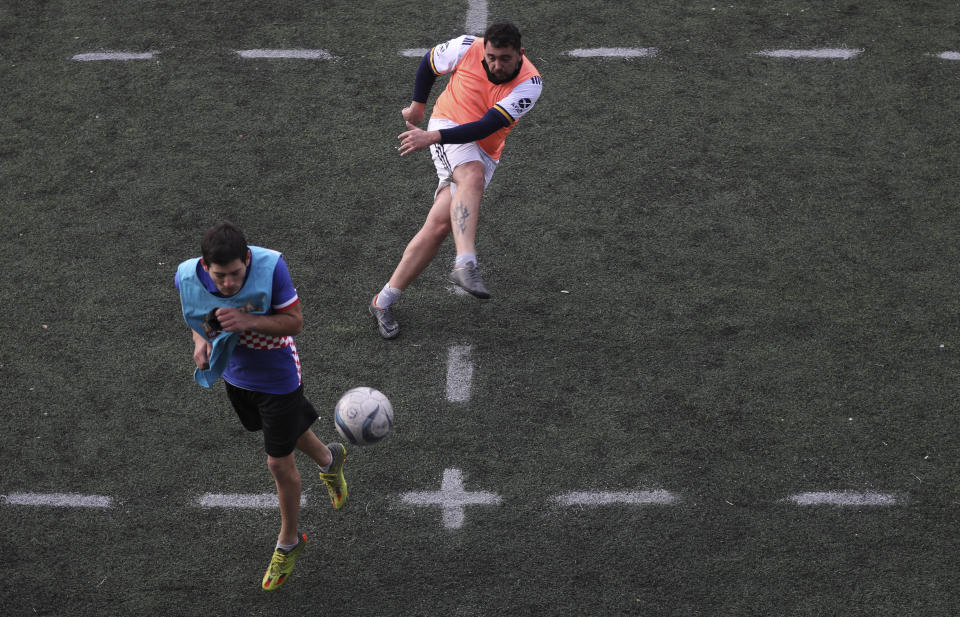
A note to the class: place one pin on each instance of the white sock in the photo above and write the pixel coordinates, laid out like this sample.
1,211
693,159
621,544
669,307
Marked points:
466,259
288,547
387,296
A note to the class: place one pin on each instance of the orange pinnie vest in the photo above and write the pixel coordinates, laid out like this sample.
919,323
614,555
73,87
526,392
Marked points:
469,95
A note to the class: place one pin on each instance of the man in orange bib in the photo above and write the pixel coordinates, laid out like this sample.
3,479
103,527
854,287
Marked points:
493,84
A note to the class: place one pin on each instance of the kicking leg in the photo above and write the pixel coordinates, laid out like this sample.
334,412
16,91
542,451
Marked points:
416,257
330,459
424,246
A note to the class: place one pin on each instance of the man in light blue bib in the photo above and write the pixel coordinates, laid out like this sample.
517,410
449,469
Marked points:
243,311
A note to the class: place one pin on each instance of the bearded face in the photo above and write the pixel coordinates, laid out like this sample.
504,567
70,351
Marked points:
502,64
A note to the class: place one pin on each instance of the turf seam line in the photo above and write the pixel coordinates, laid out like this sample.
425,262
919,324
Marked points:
417,52
452,498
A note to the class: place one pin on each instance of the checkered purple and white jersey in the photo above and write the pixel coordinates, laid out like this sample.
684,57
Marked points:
260,362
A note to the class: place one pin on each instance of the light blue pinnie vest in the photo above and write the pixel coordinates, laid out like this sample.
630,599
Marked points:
196,302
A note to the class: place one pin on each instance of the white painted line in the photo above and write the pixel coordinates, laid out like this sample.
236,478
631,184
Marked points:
414,53
476,17
949,55
607,498
266,501
459,374
296,54
114,55
826,53
451,498
58,500
844,498
614,52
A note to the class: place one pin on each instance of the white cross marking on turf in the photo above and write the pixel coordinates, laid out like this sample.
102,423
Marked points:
459,374
451,498
476,23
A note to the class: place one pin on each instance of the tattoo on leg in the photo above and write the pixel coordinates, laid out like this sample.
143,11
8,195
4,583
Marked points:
460,216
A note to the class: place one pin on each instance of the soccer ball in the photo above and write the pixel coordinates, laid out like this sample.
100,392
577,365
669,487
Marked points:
363,416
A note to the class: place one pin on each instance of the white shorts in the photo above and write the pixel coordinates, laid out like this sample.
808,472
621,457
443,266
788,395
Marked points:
447,157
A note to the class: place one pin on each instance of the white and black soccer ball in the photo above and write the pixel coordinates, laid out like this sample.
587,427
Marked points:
363,416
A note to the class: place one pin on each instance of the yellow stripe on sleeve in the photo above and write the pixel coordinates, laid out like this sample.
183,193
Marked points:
504,112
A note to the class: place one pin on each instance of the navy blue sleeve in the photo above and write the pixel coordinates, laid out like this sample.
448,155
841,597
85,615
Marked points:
490,123
425,79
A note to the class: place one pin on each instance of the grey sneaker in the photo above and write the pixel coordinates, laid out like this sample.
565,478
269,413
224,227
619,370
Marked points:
469,279
389,328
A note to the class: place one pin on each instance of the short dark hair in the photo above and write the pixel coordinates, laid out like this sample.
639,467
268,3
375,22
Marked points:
222,244
503,34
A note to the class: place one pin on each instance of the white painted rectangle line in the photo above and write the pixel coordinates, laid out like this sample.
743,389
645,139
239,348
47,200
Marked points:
614,52
58,500
265,501
476,17
949,55
114,55
844,498
607,498
826,53
459,374
296,54
417,52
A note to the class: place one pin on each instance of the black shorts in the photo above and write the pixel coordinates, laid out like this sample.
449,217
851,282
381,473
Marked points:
283,418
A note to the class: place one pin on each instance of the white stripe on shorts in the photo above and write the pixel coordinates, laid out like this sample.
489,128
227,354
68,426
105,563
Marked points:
447,157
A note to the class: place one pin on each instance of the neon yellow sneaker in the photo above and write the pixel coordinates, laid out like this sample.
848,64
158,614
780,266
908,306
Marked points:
336,483
281,565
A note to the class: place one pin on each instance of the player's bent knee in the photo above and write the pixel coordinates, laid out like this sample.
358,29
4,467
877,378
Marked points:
282,467
436,229
470,176
440,232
